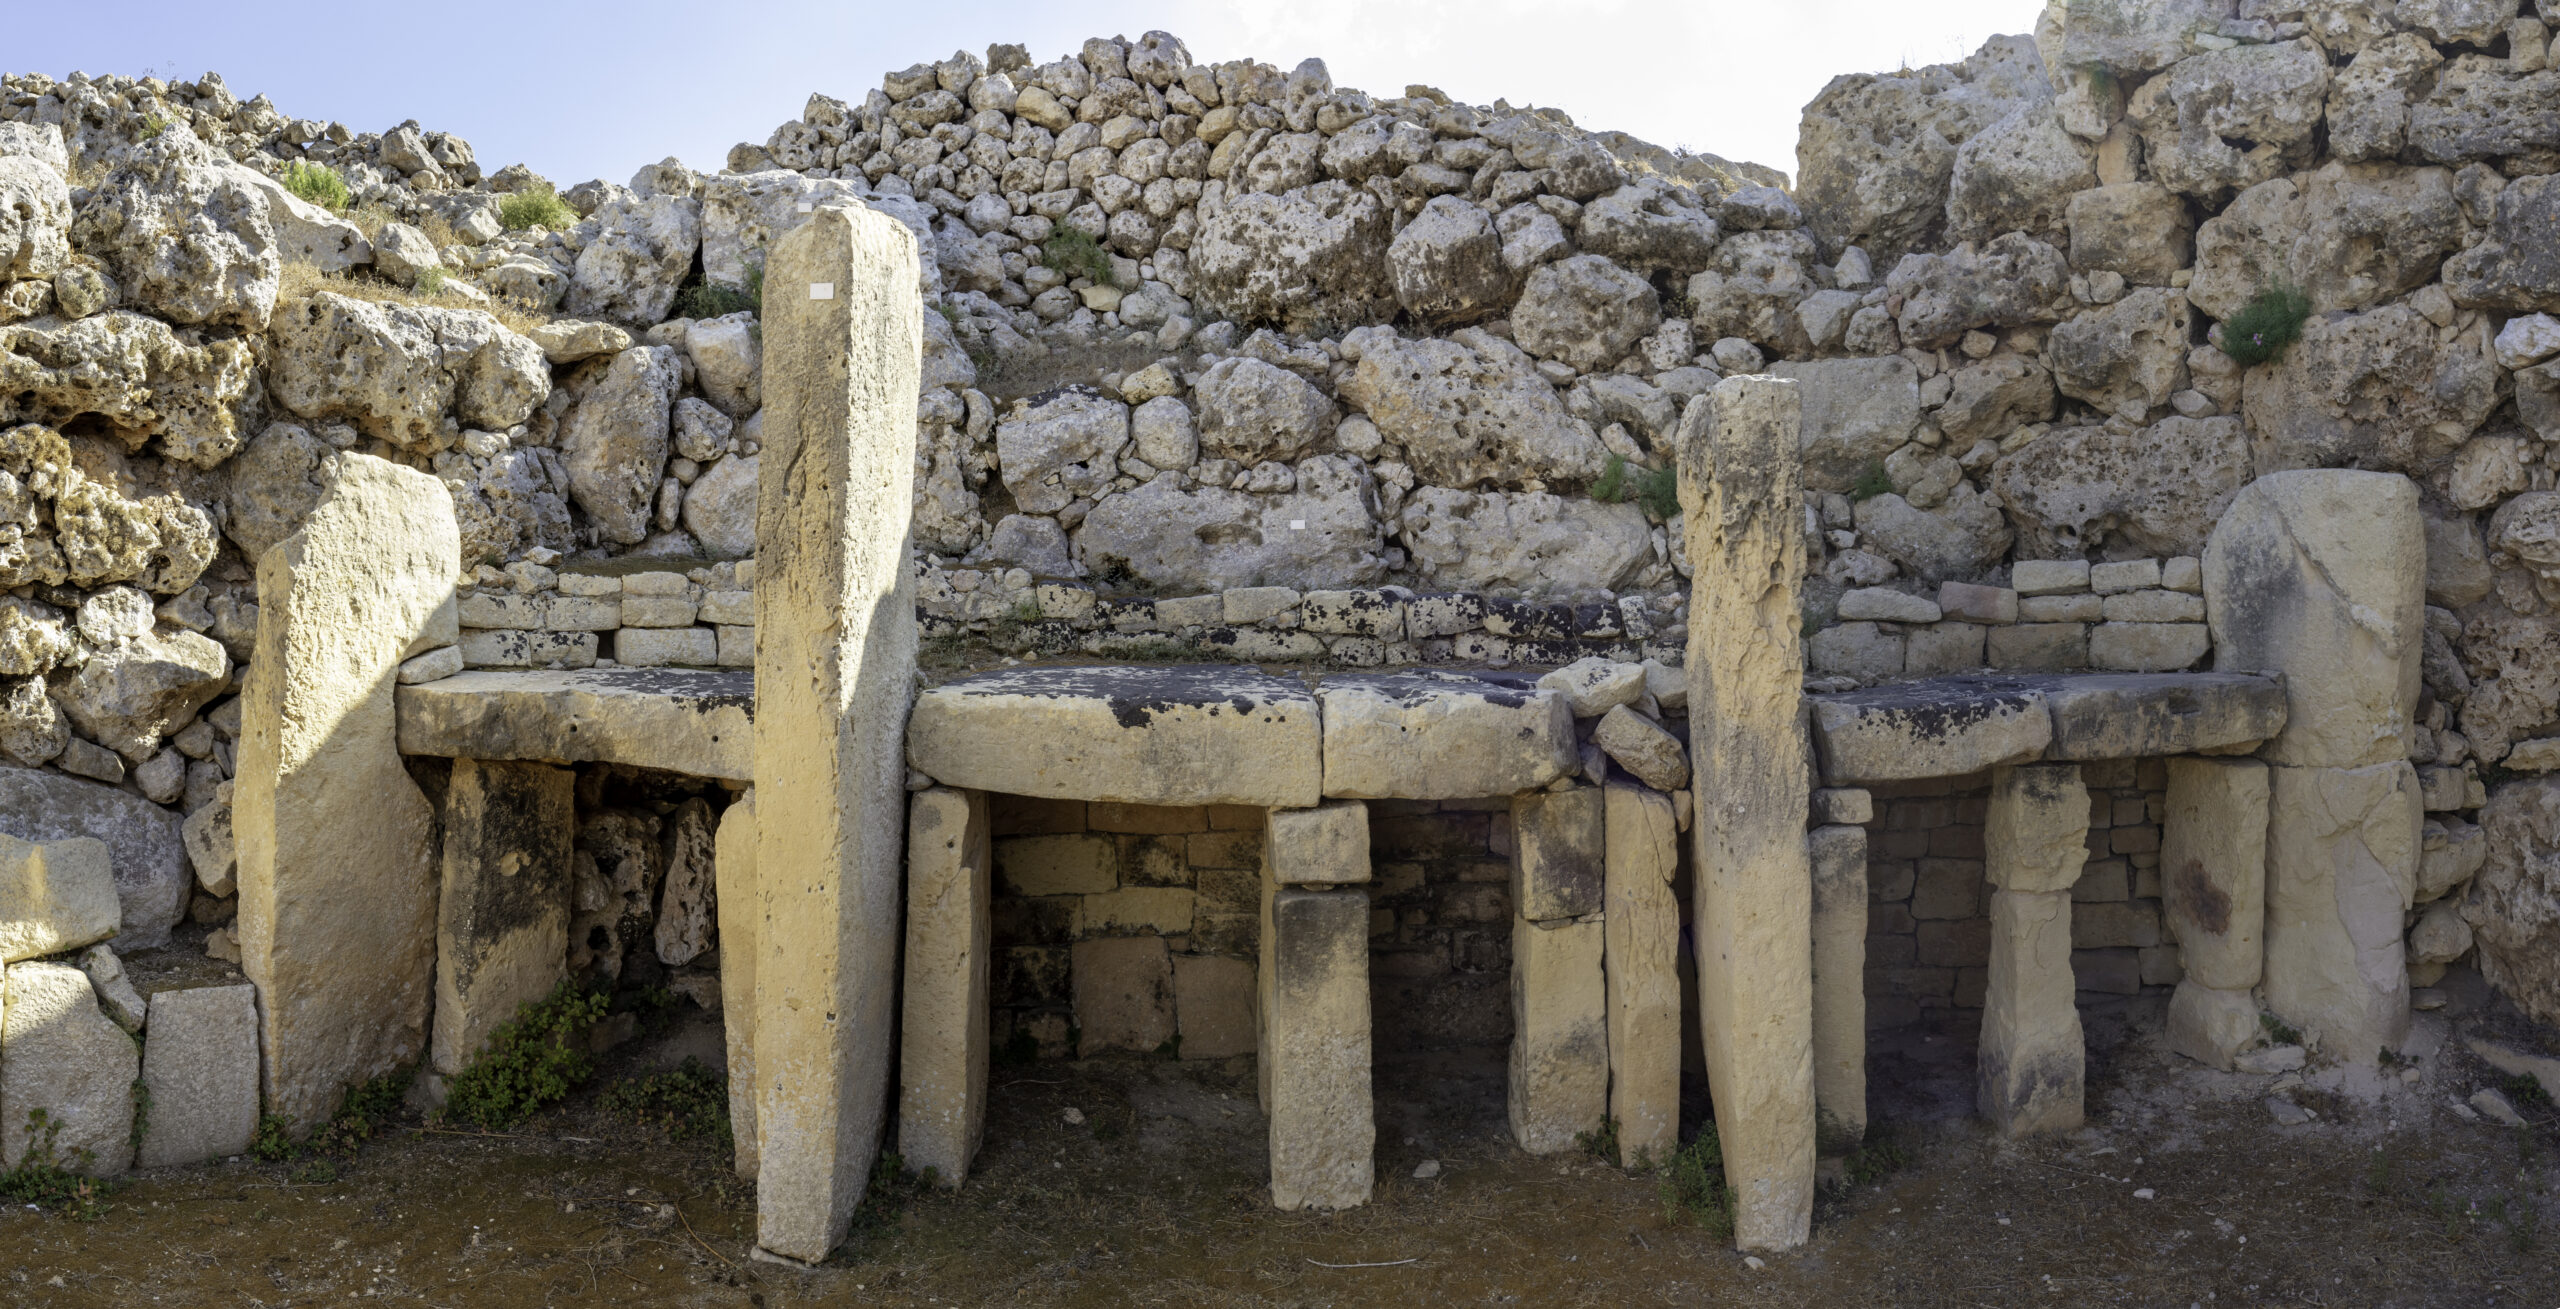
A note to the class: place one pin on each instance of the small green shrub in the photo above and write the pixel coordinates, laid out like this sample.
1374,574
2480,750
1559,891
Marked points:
1603,1144
2278,1030
536,206
2266,325
719,299
49,1180
685,1103
152,126
534,1060
1693,1186
141,1113
318,184
1872,482
362,1114
1658,491
1073,252
430,281
2526,1089
274,1140
1612,486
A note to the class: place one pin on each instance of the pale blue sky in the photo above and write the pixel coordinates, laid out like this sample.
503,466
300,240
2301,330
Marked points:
579,90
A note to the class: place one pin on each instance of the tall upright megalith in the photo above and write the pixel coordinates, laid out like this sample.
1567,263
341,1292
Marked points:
835,674
336,845
1742,498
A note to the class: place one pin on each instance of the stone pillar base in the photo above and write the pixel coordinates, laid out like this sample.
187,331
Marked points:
1314,984
942,1037
2031,1060
1559,1034
2212,1026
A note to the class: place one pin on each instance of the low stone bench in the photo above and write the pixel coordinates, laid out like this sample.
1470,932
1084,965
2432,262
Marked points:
1952,726
696,722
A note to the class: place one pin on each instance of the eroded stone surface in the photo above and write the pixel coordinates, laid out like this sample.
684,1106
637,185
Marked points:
2342,867
502,911
1314,1064
1434,736
2213,869
1559,1070
201,1065
1169,736
693,721
61,1056
942,1054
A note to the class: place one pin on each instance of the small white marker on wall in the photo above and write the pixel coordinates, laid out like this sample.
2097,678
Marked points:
822,290
808,208
1297,524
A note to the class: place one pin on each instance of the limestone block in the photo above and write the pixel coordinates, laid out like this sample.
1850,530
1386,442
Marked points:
662,647
125,1005
2030,1061
1162,910
1137,735
2320,574
1442,736
2035,837
201,1067
733,864
1742,496
2148,715
1642,747
2514,907
1324,846
502,914
146,847
2148,647
1593,686
699,723
54,897
1559,1033
1944,727
942,1039
1075,863
683,930
1213,1005
1313,986
336,844
2210,1025
60,1055
2213,869
835,669
1839,855
2342,869
1641,958
1558,853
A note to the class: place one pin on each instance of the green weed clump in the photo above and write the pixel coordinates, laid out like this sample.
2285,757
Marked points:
536,206
533,1061
1073,252
1872,482
48,1179
1656,491
318,184
2266,325
1693,1186
719,299
685,1103
1603,1144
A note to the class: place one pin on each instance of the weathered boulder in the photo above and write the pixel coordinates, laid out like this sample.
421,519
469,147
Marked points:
728,362
305,232
720,508
616,441
1251,411
569,340
275,481
1856,411
2369,99
1438,736
1059,445
509,503
1191,735
2342,866
1584,311
62,1059
2514,906
1962,537
32,729
2266,97
1313,256
201,1069
1324,533
1467,408
1645,226
2137,229
1753,288
2012,281
2348,236
2481,108
144,845
1995,398
744,214
131,694
641,252
35,219
2138,36
1877,150
1530,543
2127,358
2517,265
2018,174
2515,678
395,371
136,377
55,896
1642,747
184,235
2376,390
1447,263
2154,491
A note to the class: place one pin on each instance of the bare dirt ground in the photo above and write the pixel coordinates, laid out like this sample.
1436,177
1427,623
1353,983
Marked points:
2182,1192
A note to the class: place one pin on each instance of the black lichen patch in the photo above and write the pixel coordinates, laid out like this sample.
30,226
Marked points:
702,690
1135,695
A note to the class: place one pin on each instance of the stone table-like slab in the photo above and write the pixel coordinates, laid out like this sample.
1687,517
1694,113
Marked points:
1952,726
1188,735
698,722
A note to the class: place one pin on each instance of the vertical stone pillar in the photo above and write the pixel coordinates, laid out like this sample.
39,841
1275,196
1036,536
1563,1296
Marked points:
1559,1071
2213,879
1742,503
337,860
1313,984
737,902
502,921
1839,987
1641,958
2031,1058
942,1037
835,675
2320,574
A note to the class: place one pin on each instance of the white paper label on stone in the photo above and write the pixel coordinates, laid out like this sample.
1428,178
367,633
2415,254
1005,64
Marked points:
822,290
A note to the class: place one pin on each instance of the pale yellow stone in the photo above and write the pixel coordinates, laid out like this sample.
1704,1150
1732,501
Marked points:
1558,865
1327,845
2213,869
1313,986
2035,837
942,1041
739,903
1641,944
2030,1061
1839,985
55,896
1559,1067
502,917
2342,871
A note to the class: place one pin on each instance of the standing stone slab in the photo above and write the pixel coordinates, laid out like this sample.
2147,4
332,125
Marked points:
1313,983
737,902
1442,736
2032,1061
835,668
337,875
502,920
1559,858
1741,494
60,1055
56,896
942,1050
201,1065
1559,1033
2213,881
2342,870
1641,943
2321,574
1324,846
2035,837
1839,986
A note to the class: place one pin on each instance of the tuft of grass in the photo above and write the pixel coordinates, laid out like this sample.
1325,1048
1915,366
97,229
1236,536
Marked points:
2267,324
2526,1089
1073,252
273,1142
1693,1186
533,1061
318,184
362,1114
152,126
1612,486
2278,1030
302,281
1872,482
536,206
719,299
50,1180
1602,1144
1658,492
685,1103
430,281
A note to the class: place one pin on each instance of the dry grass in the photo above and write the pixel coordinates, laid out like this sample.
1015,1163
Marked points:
302,281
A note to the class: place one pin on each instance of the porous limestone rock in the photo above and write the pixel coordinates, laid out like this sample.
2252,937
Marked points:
1557,857
1467,409
201,1069
1316,255
183,234
2126,359
739,901
136,375
2035,837
2517,264
2321,574
2267,98
942,1056
1314,1059
2031,1064
502,911
1584,311
131,694
32,730
2349,236
1752,291
1447,263
2018,174
1212,539
211,848
2212,1026
643,248
336,859
2481,108
1327,845
1531,543
1892,733
728,362
54,897
2138,230
683,926
1641,960
1877,150
1642,747
35,219
1559,1069
1429,735
275,481
720,507
1856,412
1839,857
2514,906
1648,227
2375,390
396,371
2155,490
2010,281
680,721
1061,444
1964,536
616,441
744,214
1251,411
144,846
2342,869
2369,99
61,1058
